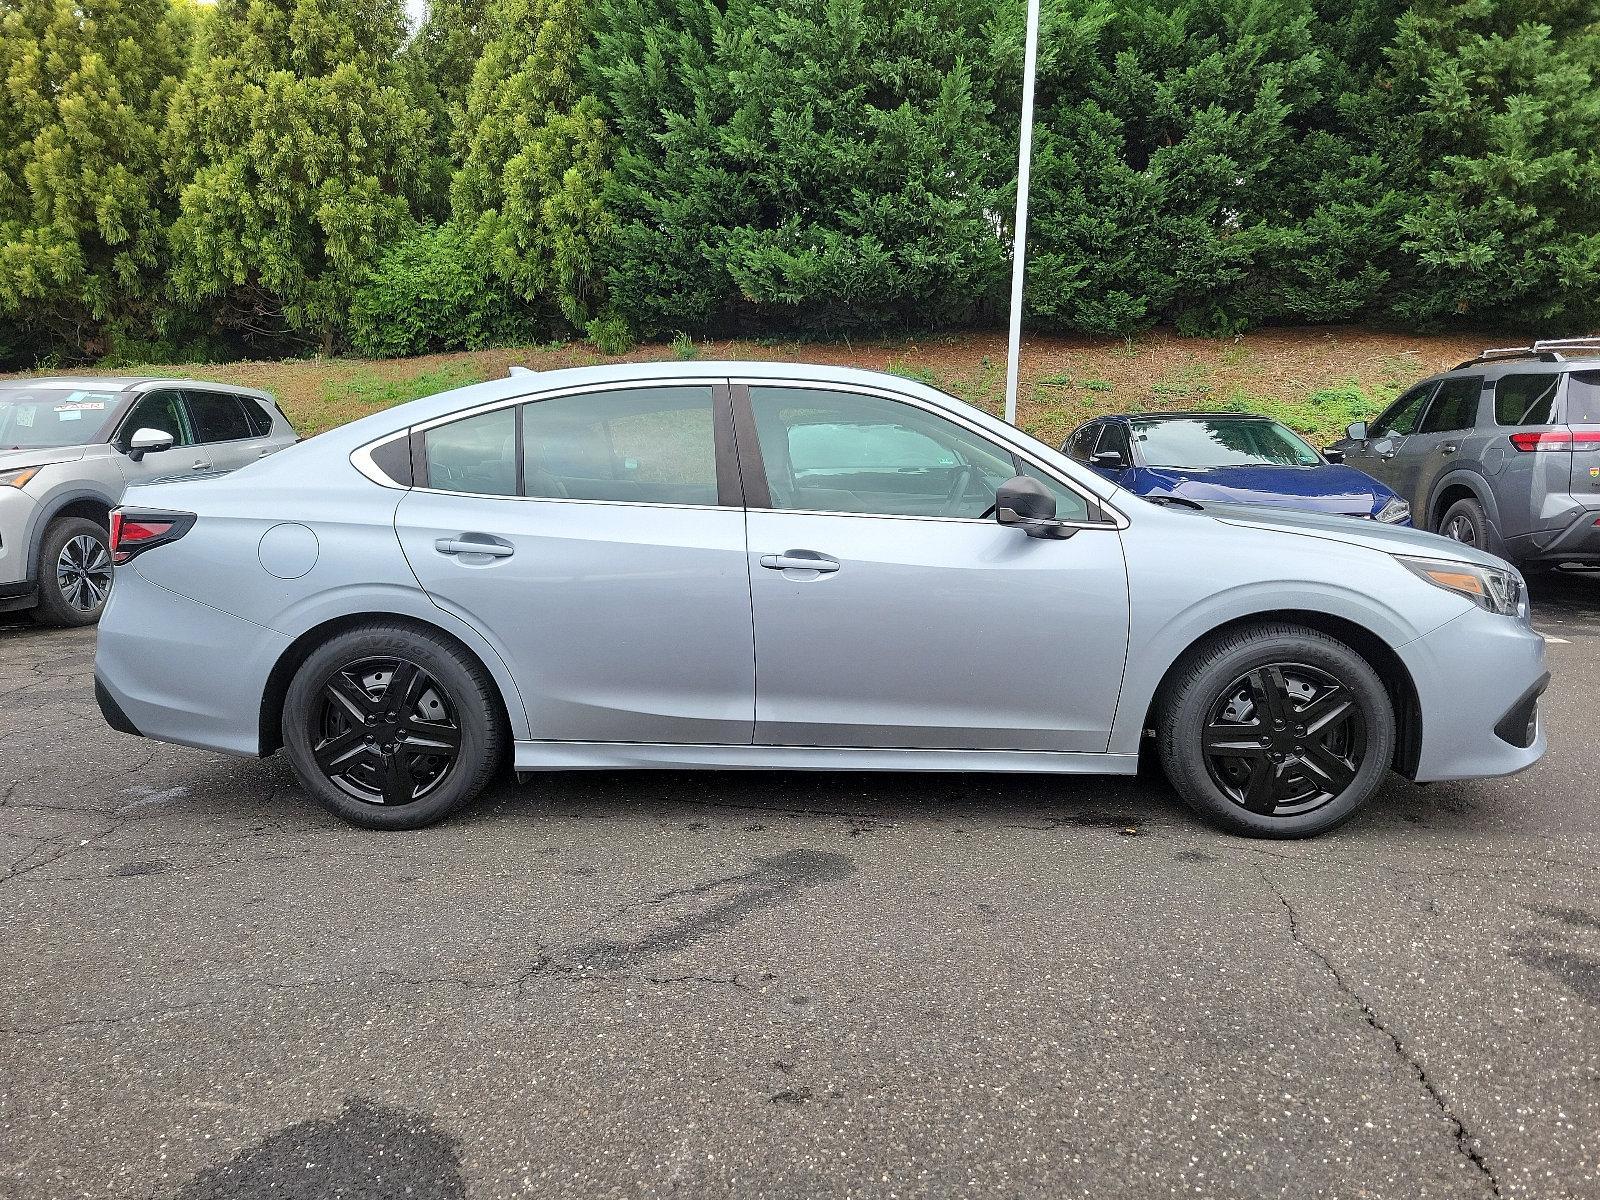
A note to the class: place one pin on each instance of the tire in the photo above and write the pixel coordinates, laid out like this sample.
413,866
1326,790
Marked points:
1301,783
1464,522
74,572
439,744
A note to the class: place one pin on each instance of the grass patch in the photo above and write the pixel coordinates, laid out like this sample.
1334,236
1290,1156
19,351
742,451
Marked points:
367,392
1322,415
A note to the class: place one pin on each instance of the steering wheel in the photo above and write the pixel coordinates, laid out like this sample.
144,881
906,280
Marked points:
958,491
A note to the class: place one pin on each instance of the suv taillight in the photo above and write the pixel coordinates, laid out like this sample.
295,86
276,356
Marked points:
1556,439
135,530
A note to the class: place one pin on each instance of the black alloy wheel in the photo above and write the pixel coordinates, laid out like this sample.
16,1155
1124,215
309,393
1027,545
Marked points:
1284,739
1275,730
385,732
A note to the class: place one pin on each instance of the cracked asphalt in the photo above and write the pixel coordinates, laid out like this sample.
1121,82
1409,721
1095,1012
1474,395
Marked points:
716,985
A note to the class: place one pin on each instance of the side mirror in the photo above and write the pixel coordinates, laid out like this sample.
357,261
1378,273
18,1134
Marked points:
1356,432
1333,455
1109,460
1028,505
148,441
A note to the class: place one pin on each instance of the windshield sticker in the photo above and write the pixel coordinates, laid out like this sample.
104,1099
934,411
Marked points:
25,416
78,406
68,414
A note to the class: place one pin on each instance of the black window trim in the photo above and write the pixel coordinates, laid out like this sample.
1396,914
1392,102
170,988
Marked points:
758,494
728,490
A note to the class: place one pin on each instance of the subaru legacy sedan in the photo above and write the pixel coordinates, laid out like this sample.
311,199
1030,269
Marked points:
758,565
1230,458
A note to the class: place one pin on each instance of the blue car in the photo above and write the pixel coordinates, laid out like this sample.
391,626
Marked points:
1228,458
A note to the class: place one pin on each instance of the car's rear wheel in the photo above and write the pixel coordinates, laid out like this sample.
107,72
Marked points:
1276,731
392,727
1464,522
74,572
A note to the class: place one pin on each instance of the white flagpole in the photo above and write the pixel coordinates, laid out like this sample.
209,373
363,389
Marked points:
1030,60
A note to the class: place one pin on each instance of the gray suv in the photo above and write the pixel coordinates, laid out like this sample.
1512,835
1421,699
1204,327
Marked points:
1501,452
69,448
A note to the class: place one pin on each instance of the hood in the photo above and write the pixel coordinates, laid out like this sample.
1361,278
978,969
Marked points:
1330,488
40,457
1390,539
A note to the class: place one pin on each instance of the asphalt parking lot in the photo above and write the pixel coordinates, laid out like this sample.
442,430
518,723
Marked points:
787,985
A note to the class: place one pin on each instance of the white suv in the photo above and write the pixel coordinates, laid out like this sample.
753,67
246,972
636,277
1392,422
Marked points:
68,449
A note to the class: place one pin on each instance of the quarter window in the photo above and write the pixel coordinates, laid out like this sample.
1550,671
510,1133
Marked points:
845,452
1526,398
1455,405
1583,398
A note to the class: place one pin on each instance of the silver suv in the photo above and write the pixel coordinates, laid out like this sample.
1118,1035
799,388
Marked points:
1501,452
68,449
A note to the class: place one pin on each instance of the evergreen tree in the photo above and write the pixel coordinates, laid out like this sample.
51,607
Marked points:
295,157
82,84
535,156
1493,127
1172,155
813,164
437,66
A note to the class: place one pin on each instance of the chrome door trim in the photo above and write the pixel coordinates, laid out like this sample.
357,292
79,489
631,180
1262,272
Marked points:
1118,520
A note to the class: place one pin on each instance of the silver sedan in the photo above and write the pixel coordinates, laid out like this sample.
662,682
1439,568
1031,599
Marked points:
760,565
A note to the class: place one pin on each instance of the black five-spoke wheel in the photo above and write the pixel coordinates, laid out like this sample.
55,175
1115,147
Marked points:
385,733
1284,739
1275,730
391,725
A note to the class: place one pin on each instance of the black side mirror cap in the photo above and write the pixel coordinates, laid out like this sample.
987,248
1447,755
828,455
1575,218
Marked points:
1110,460
1028,505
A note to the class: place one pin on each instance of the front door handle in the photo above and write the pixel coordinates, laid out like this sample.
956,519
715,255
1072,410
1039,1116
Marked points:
463,546
799,560
202,466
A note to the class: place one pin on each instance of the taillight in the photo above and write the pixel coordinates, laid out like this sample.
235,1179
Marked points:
1556,439
135,530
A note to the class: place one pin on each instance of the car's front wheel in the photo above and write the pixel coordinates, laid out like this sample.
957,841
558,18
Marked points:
1276,731
74,572
391,727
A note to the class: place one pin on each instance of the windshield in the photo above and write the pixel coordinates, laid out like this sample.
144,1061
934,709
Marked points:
1201,442
40,417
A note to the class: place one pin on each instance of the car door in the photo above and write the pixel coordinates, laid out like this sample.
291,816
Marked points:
1432,448
226,435
596,538
162,410
923,623
1386,436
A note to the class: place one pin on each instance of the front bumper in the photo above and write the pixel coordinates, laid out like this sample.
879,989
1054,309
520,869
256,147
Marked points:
16,510
1478,681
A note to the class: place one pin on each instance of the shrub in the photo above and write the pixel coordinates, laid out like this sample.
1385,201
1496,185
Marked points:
610,335
433,290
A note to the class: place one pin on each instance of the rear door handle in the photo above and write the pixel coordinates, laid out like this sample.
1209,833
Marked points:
1449,448
799,560
463,546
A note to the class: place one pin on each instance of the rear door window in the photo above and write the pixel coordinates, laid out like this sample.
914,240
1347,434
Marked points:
1526,398
218,417
476,454
1455,405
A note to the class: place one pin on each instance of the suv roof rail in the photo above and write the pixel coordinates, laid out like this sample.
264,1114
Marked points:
1545,349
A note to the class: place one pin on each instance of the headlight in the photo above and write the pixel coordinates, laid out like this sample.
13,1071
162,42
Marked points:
18,476
1394,512
1494,589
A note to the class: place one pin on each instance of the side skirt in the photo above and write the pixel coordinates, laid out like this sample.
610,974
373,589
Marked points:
618,756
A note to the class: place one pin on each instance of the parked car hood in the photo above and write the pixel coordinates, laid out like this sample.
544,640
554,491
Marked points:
1330,488
40,456
1390,539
